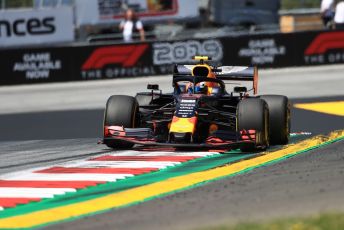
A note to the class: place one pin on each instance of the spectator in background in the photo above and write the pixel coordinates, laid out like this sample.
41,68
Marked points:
327,12
339,16
130,25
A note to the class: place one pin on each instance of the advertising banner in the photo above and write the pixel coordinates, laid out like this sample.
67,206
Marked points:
259,50
142,59
284,50
324,48
30,26
114,61
19,66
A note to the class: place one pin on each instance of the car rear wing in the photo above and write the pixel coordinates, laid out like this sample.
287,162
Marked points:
183,70
238,73
225,73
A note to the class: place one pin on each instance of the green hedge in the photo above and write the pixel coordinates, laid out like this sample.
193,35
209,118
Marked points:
295,4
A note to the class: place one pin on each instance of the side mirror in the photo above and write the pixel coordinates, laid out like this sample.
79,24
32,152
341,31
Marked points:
153,87
239,89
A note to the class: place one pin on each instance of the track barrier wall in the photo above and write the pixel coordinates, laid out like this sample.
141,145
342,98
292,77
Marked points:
74,63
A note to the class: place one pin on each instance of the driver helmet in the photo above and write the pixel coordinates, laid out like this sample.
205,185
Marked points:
203,88
200,88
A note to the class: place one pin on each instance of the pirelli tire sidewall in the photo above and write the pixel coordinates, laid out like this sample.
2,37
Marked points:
121,111
253,114
279,111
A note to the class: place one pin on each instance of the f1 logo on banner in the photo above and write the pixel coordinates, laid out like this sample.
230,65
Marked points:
116,61
127,56
326,48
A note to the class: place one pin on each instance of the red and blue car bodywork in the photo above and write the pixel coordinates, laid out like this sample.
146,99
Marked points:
192,116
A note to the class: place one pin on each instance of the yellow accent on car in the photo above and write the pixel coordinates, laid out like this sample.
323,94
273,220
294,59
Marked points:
203,70
213,128
183,125
199,58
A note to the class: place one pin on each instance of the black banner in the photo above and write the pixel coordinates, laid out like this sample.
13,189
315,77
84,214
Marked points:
25,65
35,65
284,50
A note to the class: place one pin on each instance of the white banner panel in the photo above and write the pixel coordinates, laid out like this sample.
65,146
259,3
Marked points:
92,12
27,27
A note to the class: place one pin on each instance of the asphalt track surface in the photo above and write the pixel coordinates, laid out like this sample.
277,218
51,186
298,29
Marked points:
46,124
75,124
304,185
307,82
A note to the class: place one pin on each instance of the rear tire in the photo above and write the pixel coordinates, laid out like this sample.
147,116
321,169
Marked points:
120,111
279,111
253,114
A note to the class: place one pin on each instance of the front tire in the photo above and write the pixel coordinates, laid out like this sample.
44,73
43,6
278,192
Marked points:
253,114
279,111
120,111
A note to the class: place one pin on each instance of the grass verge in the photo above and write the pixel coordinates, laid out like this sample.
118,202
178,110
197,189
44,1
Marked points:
327,221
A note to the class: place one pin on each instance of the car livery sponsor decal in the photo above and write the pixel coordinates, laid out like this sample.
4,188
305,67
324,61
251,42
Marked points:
186,108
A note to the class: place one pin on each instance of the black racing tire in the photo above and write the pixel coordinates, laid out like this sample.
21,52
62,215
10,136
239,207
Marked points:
279,111
253,114
120,111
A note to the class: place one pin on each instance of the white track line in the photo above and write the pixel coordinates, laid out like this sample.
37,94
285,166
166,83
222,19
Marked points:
67,177
1,208
153,153
121,164
33,192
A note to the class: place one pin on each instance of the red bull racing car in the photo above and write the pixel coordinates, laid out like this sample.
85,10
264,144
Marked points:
200,112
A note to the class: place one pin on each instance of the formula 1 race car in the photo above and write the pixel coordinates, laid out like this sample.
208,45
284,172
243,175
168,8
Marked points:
200,112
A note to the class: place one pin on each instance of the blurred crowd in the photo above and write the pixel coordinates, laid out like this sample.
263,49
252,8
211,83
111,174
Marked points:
332,13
